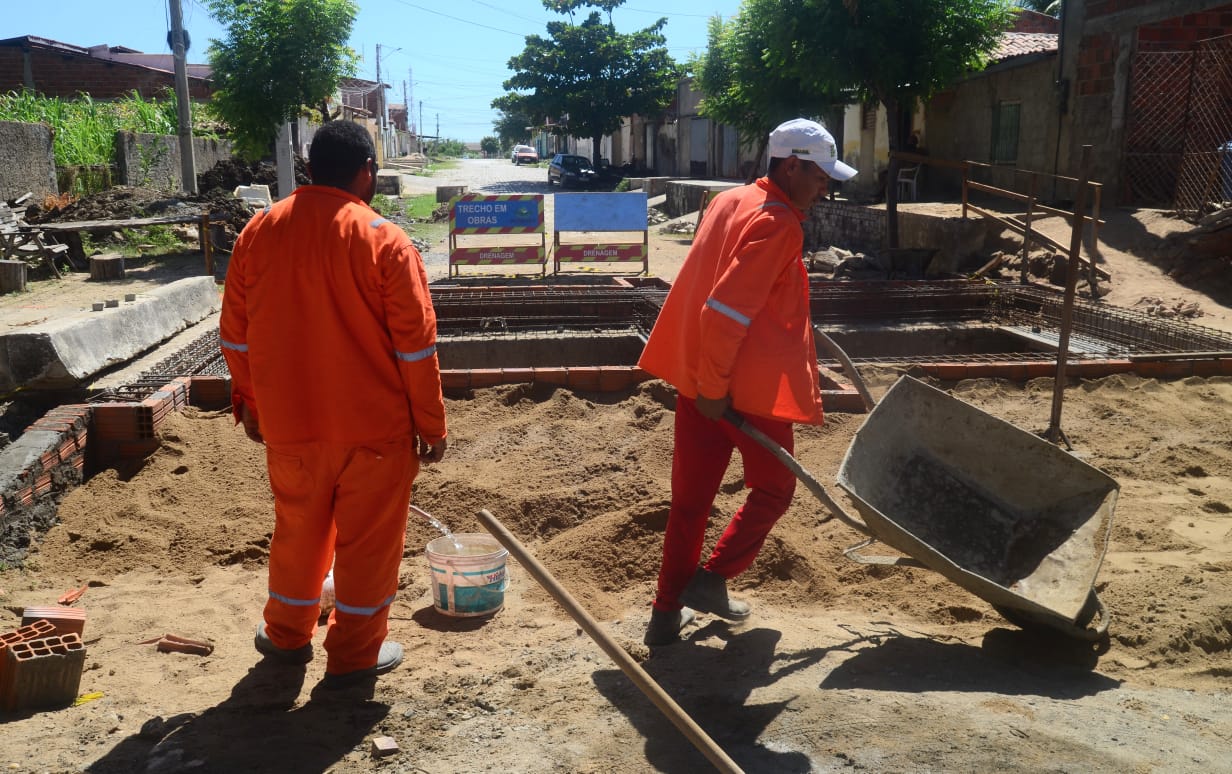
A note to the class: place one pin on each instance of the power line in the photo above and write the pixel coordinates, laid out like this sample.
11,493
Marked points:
457,19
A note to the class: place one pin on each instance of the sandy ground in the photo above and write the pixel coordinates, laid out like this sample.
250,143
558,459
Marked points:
842,666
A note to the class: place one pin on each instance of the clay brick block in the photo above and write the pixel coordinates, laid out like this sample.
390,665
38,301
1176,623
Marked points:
42,673
951,371
552,376
1037,370
485,377
614,378
383,746
585,378
518,375
63,620
455,380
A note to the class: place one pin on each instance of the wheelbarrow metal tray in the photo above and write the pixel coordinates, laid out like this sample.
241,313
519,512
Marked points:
1001,512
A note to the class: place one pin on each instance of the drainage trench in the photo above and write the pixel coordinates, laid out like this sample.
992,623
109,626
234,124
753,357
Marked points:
491,335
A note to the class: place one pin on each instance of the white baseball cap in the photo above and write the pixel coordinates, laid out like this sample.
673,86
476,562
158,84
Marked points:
810,141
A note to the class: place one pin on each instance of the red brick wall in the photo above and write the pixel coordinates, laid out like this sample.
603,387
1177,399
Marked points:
1096,65
64,75
1181,32
1032,21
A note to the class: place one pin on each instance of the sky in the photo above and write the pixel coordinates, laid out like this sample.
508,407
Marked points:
449,56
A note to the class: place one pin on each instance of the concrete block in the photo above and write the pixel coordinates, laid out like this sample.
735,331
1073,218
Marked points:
62,353
446,192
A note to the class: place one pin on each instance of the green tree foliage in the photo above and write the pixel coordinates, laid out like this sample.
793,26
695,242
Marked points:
585,76
490,146
447,148
1050,7
740,86
892,52
277,56
510,127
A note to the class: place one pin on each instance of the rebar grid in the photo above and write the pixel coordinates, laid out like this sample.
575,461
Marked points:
1124,330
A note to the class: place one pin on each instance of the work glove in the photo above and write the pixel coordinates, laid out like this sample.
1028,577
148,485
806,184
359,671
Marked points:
432,452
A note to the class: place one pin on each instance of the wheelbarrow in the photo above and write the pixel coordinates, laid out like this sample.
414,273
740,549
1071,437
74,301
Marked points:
997,510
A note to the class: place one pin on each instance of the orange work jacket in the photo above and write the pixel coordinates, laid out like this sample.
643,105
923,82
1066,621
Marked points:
736,321
328,327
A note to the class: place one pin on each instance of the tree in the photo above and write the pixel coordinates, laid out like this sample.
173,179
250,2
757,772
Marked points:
1050,7
277,56
892,52
586,77
739,87
511,127
490,146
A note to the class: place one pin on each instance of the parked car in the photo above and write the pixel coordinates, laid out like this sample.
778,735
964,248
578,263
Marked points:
524,154
570,171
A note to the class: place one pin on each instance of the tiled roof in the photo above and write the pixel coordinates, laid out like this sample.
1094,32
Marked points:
1014,44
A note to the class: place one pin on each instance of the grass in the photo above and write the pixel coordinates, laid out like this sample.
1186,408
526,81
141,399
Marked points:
84,130
421,207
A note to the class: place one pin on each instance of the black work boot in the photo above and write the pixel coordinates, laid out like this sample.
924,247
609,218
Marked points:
664,628
707,592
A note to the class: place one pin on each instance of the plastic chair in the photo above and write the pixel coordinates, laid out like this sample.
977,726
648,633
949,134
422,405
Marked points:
906,182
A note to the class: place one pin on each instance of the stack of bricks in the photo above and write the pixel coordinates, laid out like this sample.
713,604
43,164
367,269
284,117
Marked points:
48,457
128,430
211,392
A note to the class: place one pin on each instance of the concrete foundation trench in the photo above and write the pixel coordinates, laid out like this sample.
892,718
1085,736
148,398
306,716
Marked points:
588,338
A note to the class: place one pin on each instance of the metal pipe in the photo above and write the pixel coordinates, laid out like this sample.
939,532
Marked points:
679,718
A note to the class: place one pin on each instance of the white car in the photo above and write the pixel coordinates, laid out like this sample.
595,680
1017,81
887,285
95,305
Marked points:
524,154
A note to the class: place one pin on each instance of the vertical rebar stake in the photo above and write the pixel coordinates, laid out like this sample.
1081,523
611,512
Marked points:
1067,309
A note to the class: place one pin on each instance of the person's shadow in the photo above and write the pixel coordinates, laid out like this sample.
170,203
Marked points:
256,729
713,686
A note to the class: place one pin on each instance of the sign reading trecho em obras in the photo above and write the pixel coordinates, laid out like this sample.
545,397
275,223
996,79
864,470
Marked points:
476,221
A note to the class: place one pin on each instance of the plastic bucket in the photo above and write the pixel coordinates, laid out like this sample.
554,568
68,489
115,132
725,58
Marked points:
468,574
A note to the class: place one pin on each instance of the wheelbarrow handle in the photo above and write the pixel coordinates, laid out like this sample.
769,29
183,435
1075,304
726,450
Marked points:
849,368
806,478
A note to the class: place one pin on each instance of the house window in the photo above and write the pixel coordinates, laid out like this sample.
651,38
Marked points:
1005,133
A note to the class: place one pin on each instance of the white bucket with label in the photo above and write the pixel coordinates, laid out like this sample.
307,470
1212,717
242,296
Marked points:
468,574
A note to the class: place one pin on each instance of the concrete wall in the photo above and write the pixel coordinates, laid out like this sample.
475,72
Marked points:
839,224
153,160
960,126
26,160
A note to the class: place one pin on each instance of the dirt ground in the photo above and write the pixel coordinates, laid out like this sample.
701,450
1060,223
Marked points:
842,666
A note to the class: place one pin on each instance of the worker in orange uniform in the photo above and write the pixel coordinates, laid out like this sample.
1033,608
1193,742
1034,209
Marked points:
329,332
735,332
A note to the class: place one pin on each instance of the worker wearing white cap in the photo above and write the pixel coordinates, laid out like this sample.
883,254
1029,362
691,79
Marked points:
735,333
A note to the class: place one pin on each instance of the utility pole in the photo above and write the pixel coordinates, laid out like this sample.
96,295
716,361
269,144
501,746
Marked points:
179,50
421,126
380,90
406,104
410,75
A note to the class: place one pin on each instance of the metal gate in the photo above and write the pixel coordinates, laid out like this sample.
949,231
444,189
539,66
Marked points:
1178,140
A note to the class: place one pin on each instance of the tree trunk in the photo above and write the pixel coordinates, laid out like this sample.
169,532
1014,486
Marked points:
595,151
894,120
12,276
758,165
106,267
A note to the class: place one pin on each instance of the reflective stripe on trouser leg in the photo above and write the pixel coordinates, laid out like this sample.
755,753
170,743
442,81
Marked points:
771,485
371,495
702,453
302,544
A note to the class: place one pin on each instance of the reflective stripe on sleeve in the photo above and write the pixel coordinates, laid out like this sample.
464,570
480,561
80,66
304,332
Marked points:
232,345
294,602
411,357
378,222
350,609
772,204
727,311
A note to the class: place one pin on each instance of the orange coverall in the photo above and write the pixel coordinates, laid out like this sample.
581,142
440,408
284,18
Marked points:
735,323
329,332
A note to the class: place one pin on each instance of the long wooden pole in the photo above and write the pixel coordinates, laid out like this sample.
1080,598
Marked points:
1067,309
680,719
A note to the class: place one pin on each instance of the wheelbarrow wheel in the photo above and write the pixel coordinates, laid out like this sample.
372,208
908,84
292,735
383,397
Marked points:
1090,625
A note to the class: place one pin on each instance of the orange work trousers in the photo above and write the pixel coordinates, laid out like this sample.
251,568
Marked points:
349,503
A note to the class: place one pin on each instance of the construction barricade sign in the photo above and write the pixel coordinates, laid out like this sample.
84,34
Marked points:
496,231
591,222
